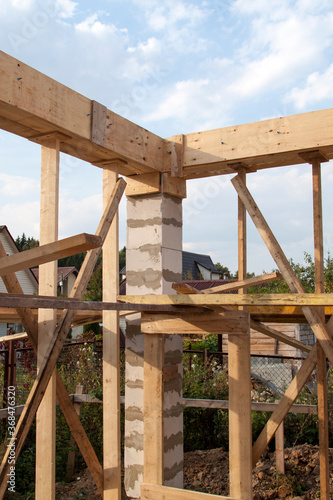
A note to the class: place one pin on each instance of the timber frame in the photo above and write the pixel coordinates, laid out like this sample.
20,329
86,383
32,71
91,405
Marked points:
42,110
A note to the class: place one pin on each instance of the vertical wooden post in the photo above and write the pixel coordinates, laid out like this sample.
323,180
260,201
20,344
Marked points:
45,418
239,369
321,358
279,449
71,453
240,433
242,252
111,355
153,409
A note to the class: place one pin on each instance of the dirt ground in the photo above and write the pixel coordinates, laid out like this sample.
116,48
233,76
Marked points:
208,471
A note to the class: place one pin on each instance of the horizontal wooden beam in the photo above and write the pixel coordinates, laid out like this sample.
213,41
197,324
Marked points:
282,299
15,336
48,253
155,492
46,302
196,324
255,406
89,131
264,144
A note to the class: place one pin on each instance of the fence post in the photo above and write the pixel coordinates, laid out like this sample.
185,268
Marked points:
71,453
206,356
279,448
5,381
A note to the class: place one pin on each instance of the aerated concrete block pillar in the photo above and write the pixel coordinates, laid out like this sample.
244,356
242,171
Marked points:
153,263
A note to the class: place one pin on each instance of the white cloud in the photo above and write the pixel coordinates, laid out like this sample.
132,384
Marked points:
79,215
318,87
17,186
21,217
95,27
67,8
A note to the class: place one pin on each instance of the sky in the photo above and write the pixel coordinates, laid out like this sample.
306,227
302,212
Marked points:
177,67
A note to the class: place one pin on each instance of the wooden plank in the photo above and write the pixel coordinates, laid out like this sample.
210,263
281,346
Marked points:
153,390
195,324
175,186
242,249
255,406
265,299
98,123
58,339
111,359
321,358
156,492
138,185
244,283
174,148
46,414
60,109
294,284
284,405
240,428
279,449
15,336
48,253
46,302
275,334
265,144
71,453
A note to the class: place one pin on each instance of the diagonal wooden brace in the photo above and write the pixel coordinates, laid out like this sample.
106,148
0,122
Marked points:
282,262
58,339
73,421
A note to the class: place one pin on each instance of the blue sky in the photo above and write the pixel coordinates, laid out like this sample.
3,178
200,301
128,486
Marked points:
177,67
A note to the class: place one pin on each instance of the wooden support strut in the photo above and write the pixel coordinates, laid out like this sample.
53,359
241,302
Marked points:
312,315
77,430
282,262
58,340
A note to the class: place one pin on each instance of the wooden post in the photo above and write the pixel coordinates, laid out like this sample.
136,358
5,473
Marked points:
240,434
242,252
279,449
321,358
46,414
111,355
153,409
71,453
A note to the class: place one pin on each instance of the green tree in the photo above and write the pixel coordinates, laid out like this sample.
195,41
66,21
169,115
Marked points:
24,243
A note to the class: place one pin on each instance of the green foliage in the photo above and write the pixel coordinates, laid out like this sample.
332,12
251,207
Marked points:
24,243
91,327
122,258
95,289
205,428
223,269
72,261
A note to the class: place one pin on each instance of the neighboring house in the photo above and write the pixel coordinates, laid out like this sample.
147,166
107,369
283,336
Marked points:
26,278
66,279
198,266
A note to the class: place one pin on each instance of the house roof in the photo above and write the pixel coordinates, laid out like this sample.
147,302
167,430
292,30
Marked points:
190,265
63,272
4,228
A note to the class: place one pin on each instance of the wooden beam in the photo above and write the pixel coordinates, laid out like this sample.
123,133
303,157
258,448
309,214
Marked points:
244,283
321,358
71,454
48,253
265,144
240,428
255,406
111,355
60,109
46,414
153,391
289,275
15,336
265,299
188,324
279,449
58,339
156,492
284,405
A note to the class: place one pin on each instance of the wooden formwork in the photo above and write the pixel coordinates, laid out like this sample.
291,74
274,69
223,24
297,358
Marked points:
43,111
